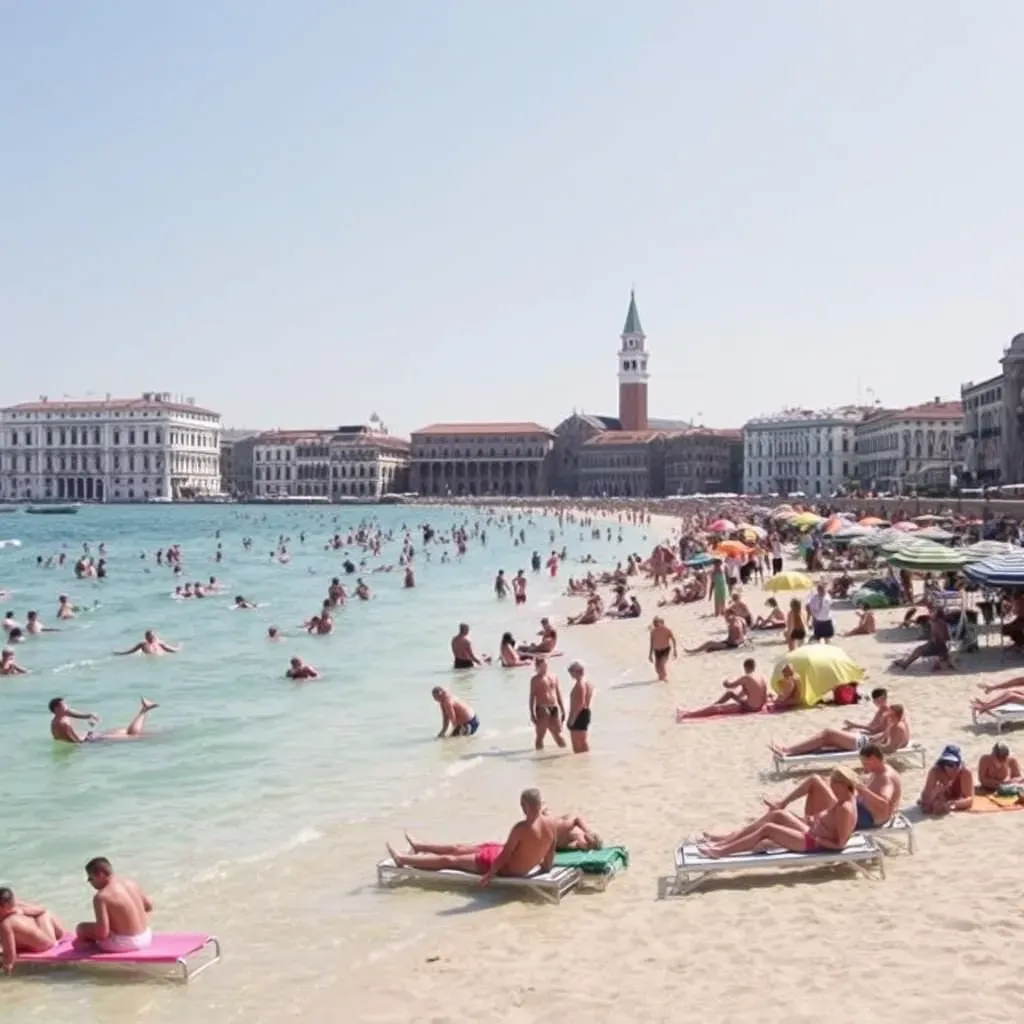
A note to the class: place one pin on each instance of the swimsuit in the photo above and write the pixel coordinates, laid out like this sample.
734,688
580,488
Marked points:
865,819
661,653
468,729
811,844
581,722
463,663
485,856
798,634
126,943
94,737
551,710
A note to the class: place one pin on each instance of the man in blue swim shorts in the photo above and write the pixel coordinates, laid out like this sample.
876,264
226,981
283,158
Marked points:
454,714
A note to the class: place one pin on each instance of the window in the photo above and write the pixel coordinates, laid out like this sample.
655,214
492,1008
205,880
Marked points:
117,437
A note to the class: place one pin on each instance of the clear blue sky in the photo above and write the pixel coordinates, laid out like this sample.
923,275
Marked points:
302,212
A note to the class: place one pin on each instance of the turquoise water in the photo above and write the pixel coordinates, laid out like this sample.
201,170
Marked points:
241,765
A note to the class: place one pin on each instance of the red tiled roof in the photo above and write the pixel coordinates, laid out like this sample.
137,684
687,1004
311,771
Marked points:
724,435
293,436
624,437
927,411
481,428
109,405
372,441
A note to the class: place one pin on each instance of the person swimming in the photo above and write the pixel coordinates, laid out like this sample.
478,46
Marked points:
63,731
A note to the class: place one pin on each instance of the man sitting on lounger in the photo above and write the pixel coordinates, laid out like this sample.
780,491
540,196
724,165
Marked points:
749,692
1010,692
893,736
999,768
530,845
122,911
25,928
880,699
829,829
877,799
949,786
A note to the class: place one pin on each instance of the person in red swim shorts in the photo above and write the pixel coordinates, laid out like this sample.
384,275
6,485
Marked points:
530,845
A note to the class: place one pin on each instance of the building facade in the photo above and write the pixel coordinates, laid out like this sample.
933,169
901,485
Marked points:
623,464
1013,412
236,448
368,463
480,459
114,449
703,461
907,449
275,463
800,451
633,373
984,413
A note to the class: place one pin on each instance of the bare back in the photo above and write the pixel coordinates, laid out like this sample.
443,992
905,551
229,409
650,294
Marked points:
125,906
530,845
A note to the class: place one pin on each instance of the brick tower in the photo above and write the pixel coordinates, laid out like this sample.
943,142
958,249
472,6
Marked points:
633,372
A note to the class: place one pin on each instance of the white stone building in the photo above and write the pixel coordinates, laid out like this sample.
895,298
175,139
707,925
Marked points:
800,451
349,462
905,449
113,449
984,418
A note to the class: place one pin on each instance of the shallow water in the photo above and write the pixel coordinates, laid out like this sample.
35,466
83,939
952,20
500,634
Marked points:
256,807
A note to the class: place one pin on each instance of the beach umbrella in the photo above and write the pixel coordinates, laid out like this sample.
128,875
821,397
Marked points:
927,556
783,512
756,531
935,533
803,520
820,669
731,549
850,531
722,526
1006,570
906,526
873,521
699,561
927,520
986,549
789,581
833,525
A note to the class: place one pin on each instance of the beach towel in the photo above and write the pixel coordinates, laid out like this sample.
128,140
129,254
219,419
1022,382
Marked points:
729,710
986,803
594,862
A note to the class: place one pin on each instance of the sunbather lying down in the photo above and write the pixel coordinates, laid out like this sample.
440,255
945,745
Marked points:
1010,692
877,799
893,736
827,829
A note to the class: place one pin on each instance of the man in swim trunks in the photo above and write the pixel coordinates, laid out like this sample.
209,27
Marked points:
149,644
548,640
894,735
999,768
581,697
64,609
35,627
736,633
829,829
8,666
25,928
880,699
547,710
463,655
63,731
122,911
949,786
298,669
530,845
662,646
454,713
749,692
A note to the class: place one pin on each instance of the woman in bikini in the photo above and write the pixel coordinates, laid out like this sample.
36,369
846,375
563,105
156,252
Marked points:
796,632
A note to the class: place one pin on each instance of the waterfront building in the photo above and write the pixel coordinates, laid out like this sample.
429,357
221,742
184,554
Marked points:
367,462
800,451
1013,412
905,449
111,449
278,456
700,460
480,459
623,464
984,415
236,448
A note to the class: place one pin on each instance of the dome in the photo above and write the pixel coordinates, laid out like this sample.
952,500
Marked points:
1017,344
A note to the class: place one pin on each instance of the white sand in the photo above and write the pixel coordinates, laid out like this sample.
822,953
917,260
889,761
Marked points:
939,937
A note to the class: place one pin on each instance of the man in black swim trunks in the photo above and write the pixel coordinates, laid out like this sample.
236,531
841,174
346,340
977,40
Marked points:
547,709
580,698
463,655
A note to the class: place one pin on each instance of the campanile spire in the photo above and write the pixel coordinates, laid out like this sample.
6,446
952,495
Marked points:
633,375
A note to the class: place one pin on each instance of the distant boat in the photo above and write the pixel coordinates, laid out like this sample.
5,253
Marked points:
52,510
8,508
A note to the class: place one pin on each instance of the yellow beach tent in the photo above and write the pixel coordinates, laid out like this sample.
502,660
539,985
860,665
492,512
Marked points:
820,669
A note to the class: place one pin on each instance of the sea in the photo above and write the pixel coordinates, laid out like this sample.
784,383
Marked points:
256,808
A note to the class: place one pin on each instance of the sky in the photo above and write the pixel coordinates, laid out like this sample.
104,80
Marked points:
302,212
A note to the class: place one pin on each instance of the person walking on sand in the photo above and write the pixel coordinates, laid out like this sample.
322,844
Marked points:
662,646
580,698
547,709
719,589
63,731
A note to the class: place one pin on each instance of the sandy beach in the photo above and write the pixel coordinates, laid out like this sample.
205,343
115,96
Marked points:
827,944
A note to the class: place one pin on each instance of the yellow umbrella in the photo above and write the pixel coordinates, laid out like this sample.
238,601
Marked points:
804,519
820,669
789,581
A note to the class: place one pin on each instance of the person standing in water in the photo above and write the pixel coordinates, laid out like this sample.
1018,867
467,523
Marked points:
547,709
149,644
580,698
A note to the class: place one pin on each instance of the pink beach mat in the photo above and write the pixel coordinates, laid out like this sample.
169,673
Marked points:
166,948
727,711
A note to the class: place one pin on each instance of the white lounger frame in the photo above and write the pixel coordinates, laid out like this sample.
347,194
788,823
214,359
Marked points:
188,973
913,752
898,829
551,885
693,870
1000,717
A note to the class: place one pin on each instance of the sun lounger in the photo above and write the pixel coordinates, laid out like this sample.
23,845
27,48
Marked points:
549,885
693,869
599,867
1000,717
913,752
171,948
898,829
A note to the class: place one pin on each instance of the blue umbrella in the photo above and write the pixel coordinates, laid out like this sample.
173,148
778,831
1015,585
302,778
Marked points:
1002,571
699,561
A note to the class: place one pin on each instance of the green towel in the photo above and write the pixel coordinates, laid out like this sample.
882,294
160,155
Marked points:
594,862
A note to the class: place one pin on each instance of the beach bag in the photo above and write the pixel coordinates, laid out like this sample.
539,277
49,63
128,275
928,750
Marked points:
846,693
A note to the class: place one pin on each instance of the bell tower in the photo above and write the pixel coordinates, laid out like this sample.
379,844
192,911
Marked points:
633,373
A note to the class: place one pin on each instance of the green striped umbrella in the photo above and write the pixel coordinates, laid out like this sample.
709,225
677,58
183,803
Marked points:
917,555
